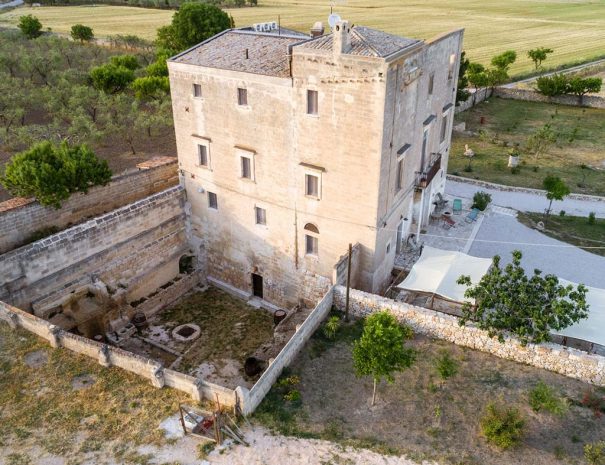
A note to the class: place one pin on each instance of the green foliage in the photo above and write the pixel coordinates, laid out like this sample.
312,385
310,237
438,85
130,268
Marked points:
52,173
192,24
331,327
538,55
41,234
592,218
555,189
541,140
461,92
594,453
507,300
551,86
380,351
481,200
151,87
82,33
502,426
580,86
126,61
477,76
110,78
204,449
446,365
159,67
293,396
544,398
30,26
504,60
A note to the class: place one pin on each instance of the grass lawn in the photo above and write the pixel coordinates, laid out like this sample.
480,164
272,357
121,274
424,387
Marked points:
575,30
580,140
572,229
422,415
57,402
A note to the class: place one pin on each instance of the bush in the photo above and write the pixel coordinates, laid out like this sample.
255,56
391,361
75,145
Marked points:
52,173
127,61
562,213
502,426
446,365
481,200
331,327
150,87
30,26
82,33
543,397
595,453
110,78
591,218
551,86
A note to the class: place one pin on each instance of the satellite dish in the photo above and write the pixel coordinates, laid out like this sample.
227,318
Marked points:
333,19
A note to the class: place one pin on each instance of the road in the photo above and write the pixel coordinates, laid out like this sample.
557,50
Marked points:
14,3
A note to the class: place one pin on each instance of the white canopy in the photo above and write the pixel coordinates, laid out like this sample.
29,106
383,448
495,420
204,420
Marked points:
438,270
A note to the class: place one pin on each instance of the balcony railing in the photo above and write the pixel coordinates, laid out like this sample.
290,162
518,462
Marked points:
424,178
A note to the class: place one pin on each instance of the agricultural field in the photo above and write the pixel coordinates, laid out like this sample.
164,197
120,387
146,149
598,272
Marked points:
574,29
495,126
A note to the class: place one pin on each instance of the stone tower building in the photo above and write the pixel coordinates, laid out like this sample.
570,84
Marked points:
292,146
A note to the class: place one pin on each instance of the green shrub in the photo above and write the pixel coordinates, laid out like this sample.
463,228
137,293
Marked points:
127,61
595,453
502,426
204,449
543,397
110,78
562,213
30,26
331,327
446,365
82,33
481,200
591,218
551,86
293,396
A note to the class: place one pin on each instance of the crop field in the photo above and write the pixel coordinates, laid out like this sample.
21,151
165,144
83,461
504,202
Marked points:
575,29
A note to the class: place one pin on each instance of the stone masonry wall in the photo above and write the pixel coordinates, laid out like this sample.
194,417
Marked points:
20,218
553,357
592,101
118,246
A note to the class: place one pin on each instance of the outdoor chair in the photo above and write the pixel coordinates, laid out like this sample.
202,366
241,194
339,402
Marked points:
457,206
472,216
447,222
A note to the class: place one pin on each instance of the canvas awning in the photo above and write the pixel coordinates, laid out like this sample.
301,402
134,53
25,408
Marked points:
592,328
437,271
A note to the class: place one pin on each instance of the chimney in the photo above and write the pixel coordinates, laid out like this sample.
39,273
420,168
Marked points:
317,30
341,38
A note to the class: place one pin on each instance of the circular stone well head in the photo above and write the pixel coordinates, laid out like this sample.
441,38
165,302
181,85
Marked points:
186,332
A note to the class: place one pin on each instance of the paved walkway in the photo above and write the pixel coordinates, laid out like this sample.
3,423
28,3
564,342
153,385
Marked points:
14,3
525,201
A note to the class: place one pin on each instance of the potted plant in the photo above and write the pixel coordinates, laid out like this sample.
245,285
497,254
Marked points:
513,157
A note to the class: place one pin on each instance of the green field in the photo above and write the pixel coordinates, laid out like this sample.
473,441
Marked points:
575,29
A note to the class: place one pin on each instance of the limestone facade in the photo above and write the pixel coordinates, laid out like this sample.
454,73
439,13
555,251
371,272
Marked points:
290,148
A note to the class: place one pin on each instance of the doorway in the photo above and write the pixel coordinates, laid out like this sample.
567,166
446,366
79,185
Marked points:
399,238
257,285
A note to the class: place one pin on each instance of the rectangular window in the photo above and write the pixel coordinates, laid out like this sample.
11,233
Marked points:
311,185
197,90
388,247
425,137
312,104
261,215
452,63
242,96
212,200
202,153
399,180
311,245
443,128
431,83
246,167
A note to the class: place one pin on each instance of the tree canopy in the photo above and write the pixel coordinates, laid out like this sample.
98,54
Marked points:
192,24
111,78
461,92
380,351
82,33
30,26
530,307
538,55
555,188
51,173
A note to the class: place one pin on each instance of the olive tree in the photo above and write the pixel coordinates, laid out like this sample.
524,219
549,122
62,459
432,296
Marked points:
555,189
82,33
507,300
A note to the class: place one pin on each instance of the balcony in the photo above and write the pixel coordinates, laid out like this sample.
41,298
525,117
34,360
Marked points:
424,178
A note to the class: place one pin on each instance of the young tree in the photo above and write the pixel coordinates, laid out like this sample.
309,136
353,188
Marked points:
538,55
30,26
380,351
541,140
551,86
477,77
461,91
507,300
52,173
192,24
504,60
581,86
82,33
110,78
555,189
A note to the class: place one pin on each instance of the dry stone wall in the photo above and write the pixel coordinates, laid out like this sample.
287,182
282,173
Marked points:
553,357
20,218
592,101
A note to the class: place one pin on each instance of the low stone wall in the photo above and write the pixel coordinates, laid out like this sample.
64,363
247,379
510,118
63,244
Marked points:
164,296
251,399
592,101
527,190
476,97
20,217
553,357
107,356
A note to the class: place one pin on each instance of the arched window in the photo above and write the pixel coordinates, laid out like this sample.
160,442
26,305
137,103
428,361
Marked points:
311,239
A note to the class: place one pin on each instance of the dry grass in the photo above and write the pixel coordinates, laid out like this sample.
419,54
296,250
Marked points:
574,29
39,407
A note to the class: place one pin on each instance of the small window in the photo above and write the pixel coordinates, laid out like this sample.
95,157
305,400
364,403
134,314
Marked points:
246,167
212,201
197,90
399,180
388,248
431,83
202,154
312,105
450,71
311,185
242,96
261,215
311,239
443,128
